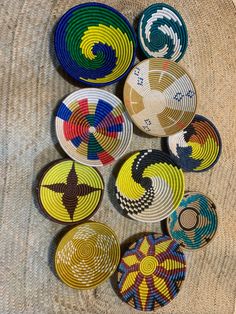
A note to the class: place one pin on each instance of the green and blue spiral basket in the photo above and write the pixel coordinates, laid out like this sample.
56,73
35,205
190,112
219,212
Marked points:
95,44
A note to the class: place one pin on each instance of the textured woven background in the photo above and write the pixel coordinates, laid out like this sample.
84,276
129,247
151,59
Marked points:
31,85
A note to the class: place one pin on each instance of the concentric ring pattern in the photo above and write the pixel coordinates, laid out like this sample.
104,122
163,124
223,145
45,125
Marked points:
194,223
162,32
151,272
87,255
95,44
69,192
93,127
149,186
198,147
160,97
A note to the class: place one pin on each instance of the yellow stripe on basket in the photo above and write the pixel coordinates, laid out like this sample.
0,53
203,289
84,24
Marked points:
160,285
208,152
144,247
125,183
143,292
129,281
162,247
130,260
170,264
112,37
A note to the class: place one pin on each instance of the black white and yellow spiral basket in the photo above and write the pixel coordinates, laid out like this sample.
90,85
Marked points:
149,186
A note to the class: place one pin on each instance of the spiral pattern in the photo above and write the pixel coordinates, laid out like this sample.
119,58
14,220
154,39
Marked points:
151,272
160,97
194,223
69,192
95,44
162,32
93,127
149,186
87,255
198,147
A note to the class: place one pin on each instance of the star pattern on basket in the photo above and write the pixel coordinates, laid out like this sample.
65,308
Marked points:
146,287
71,190
178,96
190,94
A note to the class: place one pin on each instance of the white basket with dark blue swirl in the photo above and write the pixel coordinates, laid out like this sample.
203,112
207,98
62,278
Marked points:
162,32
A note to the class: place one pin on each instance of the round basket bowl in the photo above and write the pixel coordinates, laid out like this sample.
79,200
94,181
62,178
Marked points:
87,255
198,147
95,44
194,223
162,32
151,272
160,97
69,192
93,127
149,186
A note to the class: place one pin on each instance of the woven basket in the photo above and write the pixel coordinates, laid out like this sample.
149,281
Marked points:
151,272
69,192
194,223
160,97
162,32
198,147
87,255
93,127
95,44
149,186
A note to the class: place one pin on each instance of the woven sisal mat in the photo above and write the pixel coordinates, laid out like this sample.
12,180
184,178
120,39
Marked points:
31,86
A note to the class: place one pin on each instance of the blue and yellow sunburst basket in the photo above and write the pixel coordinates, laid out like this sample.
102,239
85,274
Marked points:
95,44
151,272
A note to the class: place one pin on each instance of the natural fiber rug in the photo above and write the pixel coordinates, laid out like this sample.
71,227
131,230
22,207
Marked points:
31,86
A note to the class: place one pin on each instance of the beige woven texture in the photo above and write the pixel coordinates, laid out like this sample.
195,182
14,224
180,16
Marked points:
31,85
